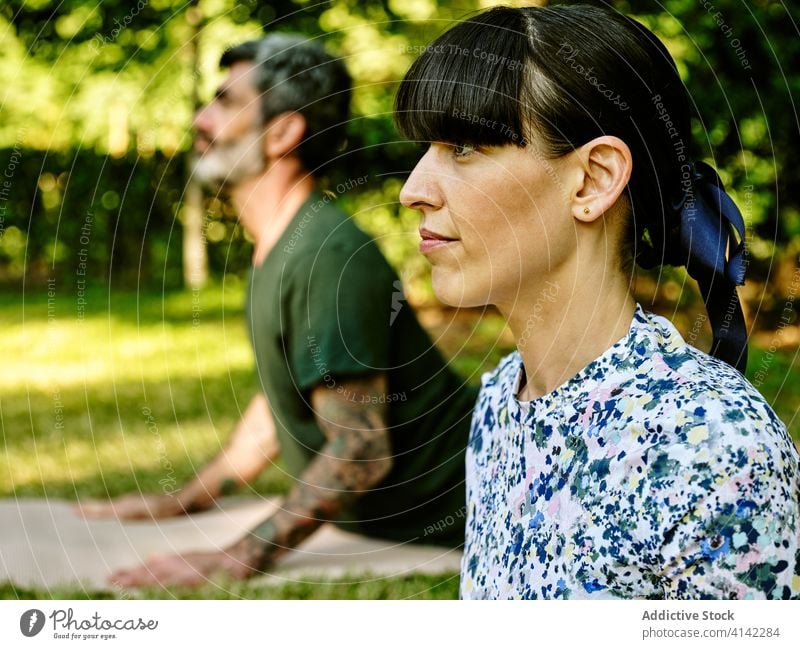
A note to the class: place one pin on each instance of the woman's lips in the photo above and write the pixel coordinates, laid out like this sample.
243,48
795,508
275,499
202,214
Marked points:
433,240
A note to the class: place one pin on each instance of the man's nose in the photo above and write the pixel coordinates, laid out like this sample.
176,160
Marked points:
421,190
200,121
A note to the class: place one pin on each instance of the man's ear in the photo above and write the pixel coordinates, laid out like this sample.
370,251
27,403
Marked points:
605,169
283,133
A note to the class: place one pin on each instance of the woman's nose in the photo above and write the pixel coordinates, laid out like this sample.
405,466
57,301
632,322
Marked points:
421,190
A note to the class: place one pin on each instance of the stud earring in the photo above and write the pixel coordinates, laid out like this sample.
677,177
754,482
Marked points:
586,210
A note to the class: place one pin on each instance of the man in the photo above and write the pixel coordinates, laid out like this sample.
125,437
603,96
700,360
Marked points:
369,420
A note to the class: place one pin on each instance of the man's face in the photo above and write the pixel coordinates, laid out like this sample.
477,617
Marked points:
229,133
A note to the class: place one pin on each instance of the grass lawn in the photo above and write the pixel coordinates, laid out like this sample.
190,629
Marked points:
443,586
82,386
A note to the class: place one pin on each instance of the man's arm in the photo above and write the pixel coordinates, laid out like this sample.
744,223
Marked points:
356,457
253,445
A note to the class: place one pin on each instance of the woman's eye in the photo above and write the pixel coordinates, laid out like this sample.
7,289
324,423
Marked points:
461,150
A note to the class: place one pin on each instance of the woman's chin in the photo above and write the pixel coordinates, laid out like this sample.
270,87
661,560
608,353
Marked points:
455,292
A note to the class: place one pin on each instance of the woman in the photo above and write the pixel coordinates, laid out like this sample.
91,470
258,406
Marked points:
607,457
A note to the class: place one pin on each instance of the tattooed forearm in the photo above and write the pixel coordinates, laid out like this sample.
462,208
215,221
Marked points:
356,457
228,486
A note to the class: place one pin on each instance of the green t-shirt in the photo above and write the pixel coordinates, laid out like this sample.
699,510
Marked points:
325,305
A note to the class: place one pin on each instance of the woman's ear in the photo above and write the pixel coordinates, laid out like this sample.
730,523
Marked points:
283,133
606,165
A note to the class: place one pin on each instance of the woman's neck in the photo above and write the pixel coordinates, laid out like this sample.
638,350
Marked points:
565,323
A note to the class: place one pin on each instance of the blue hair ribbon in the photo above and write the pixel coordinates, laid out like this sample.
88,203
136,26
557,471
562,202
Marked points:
710,222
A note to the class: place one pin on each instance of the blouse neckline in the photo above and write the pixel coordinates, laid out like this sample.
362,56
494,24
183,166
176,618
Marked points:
634,341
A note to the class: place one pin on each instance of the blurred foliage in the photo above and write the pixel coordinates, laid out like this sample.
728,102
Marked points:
111,216
99,96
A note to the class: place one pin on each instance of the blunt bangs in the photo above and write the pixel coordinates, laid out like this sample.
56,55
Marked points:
466,87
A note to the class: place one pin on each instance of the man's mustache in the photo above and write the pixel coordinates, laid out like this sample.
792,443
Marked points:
203,136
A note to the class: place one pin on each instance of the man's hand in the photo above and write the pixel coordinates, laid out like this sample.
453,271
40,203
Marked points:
133,506
191,569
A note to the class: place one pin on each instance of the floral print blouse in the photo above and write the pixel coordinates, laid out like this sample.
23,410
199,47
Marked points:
657,471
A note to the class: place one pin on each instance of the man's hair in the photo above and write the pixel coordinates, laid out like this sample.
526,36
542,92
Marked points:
293,73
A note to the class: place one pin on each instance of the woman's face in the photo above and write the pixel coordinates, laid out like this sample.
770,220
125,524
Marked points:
493,219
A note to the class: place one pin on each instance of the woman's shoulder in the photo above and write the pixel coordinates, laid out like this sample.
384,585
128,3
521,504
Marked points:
704,411
694,380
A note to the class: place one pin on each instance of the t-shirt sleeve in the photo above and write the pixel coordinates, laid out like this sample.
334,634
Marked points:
740,540
340,314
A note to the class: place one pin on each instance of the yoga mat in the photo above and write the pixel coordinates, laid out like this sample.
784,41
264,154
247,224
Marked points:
45,544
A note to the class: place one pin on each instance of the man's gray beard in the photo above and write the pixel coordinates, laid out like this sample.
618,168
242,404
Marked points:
228,164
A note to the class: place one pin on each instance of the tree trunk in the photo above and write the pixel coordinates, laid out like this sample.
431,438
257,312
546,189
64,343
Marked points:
195,256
